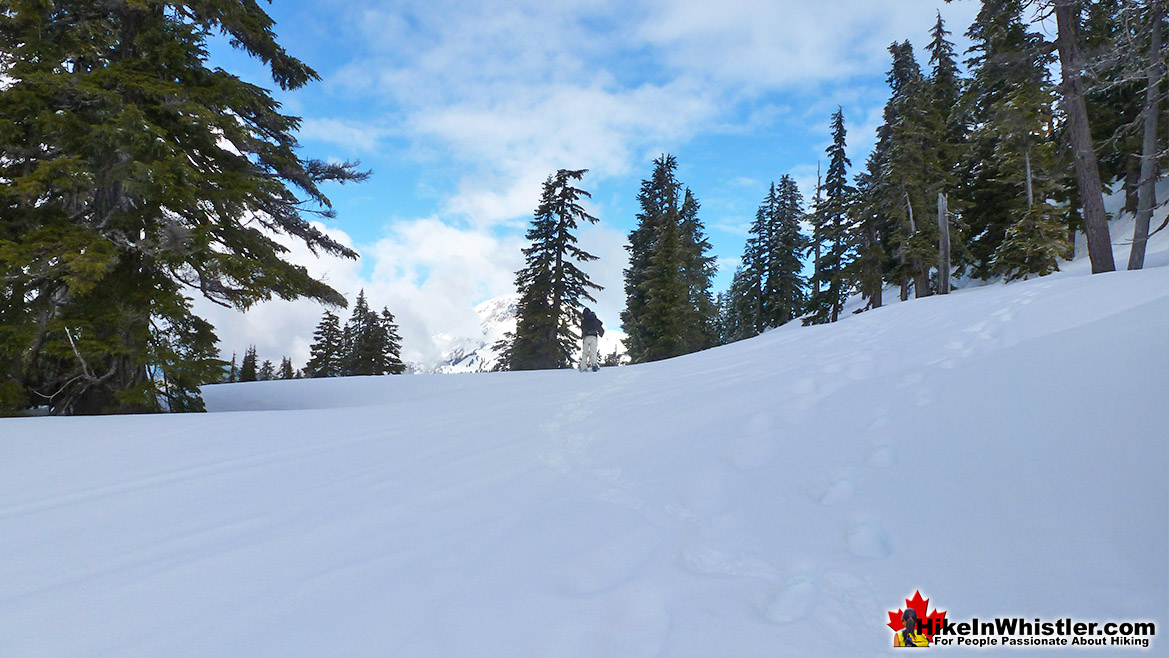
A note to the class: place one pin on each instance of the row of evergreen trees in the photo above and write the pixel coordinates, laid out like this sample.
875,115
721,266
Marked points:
970,174
669,310
249,371
368,344
120,197
669,306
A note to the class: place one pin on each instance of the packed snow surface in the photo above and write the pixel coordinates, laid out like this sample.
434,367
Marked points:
1002,449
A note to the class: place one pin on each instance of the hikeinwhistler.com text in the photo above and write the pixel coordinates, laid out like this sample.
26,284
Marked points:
1019,632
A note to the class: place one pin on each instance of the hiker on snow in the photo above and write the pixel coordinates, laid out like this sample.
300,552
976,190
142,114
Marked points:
591,329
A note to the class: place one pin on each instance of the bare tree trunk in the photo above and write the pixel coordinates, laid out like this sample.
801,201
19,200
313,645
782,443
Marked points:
816,238
904,260
1027,167
1132,182
921,275
874,267
1087,171
1146,190
943,246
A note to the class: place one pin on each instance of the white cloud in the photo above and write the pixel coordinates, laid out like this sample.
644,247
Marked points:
507,93
764,44
351,134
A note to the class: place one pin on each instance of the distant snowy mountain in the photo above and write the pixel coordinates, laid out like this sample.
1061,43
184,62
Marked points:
497,316
475,353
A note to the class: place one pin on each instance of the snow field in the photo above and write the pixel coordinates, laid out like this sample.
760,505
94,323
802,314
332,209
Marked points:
1002,449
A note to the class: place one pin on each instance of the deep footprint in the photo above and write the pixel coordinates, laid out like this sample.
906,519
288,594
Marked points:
869,540
791,603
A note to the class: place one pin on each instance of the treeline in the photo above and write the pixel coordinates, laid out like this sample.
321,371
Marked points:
368,344
985,174
980,175
134,174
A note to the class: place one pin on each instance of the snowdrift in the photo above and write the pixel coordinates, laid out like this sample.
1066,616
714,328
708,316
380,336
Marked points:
1002,450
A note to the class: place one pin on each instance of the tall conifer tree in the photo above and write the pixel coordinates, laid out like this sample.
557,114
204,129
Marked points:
326,351
835,241
1010,169
391,363
551,285
768,290
669,307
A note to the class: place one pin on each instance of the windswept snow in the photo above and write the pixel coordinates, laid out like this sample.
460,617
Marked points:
1002,449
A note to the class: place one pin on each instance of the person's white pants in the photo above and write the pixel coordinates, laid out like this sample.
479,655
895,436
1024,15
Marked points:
588,357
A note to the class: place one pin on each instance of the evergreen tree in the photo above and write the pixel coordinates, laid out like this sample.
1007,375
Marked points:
132,171
945,90
739,314
946,134
910,148
698,270
669,307
233,373
768,290
183,357
370,342
551,285
784,293
836,247
248,370
1011,167
749,281
267,371
1033,245
612,359
869,227
664,318
391,361
658,201
285,371
1124,43
325,354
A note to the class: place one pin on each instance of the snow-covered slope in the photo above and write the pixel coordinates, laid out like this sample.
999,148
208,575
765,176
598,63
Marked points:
1002,449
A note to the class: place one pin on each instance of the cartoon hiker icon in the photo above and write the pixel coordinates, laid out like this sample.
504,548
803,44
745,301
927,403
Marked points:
909,636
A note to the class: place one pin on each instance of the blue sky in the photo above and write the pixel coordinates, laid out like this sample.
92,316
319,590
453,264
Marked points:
461,109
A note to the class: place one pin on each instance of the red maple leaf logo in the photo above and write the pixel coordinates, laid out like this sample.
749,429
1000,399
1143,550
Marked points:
930,624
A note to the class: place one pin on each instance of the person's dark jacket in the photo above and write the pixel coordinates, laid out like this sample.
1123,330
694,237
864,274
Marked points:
591,326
